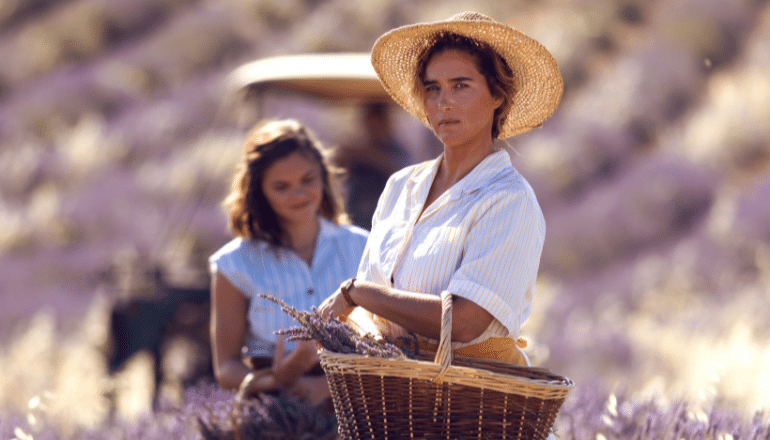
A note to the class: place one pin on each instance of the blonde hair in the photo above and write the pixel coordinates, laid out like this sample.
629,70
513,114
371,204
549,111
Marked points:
249,213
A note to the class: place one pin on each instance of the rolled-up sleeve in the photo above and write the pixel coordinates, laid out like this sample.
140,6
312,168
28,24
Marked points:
500,261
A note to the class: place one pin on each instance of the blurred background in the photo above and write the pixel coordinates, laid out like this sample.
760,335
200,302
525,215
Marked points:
118,138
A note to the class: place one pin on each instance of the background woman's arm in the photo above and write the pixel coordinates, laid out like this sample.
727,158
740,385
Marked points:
290,367
228,328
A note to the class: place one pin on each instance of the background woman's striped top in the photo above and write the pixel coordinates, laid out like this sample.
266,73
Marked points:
481,240
254,268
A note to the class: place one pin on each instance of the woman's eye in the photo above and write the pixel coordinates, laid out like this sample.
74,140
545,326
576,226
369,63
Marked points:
309,180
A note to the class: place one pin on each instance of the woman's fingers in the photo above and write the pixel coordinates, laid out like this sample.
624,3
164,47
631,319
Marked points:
327,307
279,352
313,389
335,306
309,349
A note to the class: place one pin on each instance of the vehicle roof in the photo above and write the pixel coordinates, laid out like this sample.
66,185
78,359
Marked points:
339,77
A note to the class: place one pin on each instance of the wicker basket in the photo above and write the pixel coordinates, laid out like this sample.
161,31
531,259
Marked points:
377,398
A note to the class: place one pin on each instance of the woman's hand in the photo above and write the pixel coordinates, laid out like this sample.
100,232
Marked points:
287,368
335,306
314,389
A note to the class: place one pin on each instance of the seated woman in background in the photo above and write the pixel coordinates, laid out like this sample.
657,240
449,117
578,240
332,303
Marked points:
290,243
466,224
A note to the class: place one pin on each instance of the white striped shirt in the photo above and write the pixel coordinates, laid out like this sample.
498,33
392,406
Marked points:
480,240
255,268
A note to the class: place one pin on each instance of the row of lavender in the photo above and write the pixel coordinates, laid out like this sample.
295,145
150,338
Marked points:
210,414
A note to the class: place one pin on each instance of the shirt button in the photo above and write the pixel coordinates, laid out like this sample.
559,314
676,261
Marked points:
310,291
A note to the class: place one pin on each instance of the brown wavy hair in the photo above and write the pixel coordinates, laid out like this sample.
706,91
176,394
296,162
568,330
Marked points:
250,215
489,63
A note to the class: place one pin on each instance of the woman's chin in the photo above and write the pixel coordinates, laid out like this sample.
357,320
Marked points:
299,217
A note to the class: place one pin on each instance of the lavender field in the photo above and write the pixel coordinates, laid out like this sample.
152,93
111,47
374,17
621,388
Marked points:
118,138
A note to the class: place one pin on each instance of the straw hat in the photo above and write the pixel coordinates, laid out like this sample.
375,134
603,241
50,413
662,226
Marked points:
538,83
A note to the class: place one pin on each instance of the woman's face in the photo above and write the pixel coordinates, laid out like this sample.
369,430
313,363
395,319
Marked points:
294,187
457,100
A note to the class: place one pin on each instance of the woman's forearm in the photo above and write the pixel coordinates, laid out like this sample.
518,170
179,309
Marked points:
416,312
228,326
421,313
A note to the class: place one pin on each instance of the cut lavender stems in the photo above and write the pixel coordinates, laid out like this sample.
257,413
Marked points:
335,335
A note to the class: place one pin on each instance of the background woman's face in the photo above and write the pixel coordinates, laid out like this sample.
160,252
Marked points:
294,187
457,100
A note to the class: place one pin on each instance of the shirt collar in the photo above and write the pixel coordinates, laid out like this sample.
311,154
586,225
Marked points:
479,177
327,229
324,244
333,244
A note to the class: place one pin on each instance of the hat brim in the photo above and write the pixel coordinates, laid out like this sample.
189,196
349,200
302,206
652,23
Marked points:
538,83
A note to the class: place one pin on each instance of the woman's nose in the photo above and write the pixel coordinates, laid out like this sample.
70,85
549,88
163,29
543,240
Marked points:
444,100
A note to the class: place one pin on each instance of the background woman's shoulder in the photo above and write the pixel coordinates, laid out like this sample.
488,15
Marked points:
239,248
231,247
348,232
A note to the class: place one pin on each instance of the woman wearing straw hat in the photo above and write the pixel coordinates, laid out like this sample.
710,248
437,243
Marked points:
467,222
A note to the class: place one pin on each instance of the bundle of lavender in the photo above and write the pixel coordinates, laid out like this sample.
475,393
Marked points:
338,337
266,417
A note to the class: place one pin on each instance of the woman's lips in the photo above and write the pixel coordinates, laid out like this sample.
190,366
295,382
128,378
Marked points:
302,205
446,122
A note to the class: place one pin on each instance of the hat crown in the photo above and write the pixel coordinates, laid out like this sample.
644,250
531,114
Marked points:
469,16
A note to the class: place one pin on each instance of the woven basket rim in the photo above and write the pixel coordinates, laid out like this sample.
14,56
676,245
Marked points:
551,384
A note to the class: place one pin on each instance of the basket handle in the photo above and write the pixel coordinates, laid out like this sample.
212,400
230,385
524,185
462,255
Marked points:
444,350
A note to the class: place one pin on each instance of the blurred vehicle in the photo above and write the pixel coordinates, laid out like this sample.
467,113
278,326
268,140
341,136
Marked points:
337,77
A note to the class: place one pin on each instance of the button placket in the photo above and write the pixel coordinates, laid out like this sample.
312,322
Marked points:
414,218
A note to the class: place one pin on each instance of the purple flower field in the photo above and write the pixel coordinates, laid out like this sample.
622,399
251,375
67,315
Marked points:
118,138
